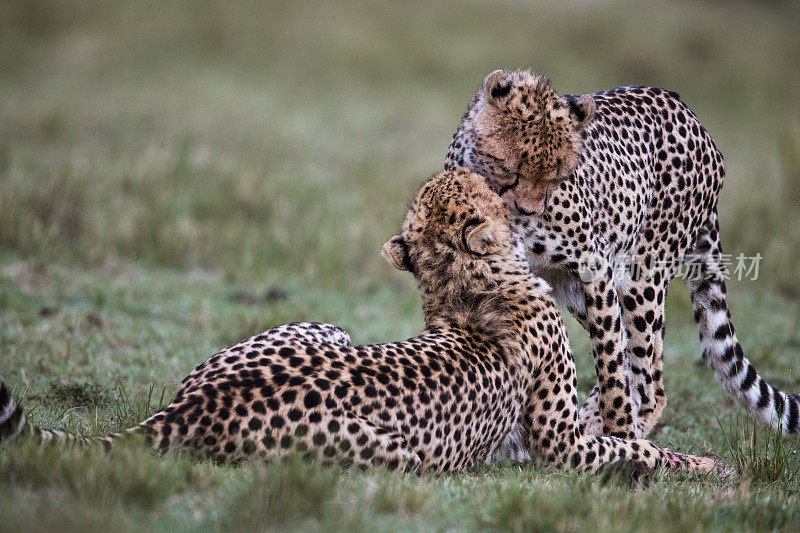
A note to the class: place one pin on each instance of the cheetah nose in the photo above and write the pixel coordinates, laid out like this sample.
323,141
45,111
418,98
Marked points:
530,208
522,211
509,198
512,202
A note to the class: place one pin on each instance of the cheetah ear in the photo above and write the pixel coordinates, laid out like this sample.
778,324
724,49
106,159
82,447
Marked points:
395,250
478,236
496,87
581,110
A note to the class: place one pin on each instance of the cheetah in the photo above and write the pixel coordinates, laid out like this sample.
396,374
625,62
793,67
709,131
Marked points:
492,366
628,177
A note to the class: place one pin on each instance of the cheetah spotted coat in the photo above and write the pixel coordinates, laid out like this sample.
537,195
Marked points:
625,176
492,365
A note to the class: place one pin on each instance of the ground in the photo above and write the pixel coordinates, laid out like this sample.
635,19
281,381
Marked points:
174,179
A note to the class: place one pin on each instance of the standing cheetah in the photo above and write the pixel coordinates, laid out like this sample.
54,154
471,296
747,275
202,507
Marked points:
597,181
492,365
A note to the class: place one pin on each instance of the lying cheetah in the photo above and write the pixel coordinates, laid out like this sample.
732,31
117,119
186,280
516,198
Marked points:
493,364
627,175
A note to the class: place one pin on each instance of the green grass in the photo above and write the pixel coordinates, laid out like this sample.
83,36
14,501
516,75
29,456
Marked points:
177,177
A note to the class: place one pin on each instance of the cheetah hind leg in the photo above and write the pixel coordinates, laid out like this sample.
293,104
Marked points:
311,332
365,445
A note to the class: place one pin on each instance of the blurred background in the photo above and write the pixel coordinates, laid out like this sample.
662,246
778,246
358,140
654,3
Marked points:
220,167
178,176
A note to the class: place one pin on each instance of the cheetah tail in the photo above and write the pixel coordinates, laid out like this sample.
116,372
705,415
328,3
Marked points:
13,423
721,349
12,419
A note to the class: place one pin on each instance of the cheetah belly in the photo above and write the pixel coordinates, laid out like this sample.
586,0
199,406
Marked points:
512,448
566,288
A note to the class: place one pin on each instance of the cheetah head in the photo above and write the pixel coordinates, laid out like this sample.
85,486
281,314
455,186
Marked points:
522,136
455,230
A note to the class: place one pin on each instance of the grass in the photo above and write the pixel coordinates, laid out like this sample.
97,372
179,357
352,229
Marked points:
177,177
759,455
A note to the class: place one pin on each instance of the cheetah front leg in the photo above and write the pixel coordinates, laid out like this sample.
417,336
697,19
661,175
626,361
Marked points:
642,313
552,432
589,415
643,316
590,452
568,292
613,399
